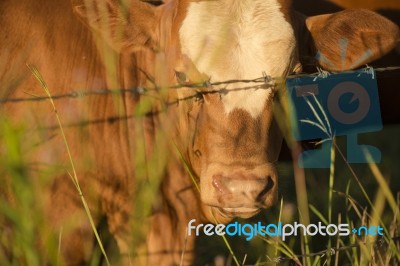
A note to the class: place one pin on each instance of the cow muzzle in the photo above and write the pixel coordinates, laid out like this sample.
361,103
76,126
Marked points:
239,191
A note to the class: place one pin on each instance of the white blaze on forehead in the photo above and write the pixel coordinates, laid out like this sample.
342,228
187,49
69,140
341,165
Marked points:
239,39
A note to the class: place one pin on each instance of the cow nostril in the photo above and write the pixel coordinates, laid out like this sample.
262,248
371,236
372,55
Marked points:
268,186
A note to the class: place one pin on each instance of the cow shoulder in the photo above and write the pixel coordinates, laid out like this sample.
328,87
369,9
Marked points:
125,27
348,39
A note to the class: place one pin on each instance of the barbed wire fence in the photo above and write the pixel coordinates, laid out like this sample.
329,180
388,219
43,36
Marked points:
264,82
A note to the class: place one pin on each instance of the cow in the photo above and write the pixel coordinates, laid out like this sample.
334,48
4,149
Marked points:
207,152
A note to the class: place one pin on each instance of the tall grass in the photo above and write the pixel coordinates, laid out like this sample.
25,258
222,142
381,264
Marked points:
21,213
351,193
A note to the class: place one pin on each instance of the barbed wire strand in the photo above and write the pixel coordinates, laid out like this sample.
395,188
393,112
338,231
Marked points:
267,82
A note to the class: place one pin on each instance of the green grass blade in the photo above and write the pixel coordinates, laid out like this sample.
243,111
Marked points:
74,176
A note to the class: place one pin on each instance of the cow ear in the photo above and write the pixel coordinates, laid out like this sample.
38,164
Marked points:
351,38
126,28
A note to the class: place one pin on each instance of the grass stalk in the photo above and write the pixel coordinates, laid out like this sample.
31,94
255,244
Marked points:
73,176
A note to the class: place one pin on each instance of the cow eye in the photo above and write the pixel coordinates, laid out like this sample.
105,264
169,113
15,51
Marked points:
199,97
154,2
181,77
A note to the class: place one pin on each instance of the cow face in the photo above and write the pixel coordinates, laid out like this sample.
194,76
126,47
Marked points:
235,142
229,134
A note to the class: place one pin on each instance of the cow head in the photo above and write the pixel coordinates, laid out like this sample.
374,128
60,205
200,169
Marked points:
235,141
229,134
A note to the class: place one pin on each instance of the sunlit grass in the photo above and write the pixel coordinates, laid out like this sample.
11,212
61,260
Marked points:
74,177
352,195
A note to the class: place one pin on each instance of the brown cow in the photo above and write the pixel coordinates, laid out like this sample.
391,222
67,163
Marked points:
227,136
